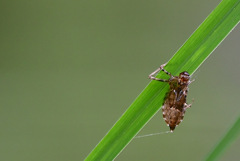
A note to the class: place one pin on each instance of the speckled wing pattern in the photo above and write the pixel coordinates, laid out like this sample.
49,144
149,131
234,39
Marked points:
174,107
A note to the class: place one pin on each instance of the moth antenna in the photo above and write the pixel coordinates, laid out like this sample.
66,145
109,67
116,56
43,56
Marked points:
142,136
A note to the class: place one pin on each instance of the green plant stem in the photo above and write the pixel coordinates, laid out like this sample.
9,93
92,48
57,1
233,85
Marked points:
188,58
231,135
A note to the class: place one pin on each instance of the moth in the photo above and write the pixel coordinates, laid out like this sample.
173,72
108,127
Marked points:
174,106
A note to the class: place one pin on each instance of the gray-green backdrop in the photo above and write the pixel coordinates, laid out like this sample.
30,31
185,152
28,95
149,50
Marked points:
69,69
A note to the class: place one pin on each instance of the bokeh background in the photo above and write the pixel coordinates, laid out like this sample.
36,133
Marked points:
69,70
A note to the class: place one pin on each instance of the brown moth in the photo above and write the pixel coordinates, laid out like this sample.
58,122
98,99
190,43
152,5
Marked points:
175,105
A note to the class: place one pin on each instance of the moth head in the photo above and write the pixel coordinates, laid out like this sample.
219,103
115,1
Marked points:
184,77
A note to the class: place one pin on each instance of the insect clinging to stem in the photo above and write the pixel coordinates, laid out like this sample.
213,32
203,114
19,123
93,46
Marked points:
174,106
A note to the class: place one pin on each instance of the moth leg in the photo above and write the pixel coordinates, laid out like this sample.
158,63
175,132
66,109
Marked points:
152,77
162,68
186,106
191,81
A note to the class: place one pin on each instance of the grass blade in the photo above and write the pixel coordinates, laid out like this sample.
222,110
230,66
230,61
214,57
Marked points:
231,135
188,58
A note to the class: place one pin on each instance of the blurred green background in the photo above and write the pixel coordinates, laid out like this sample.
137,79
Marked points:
69,69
